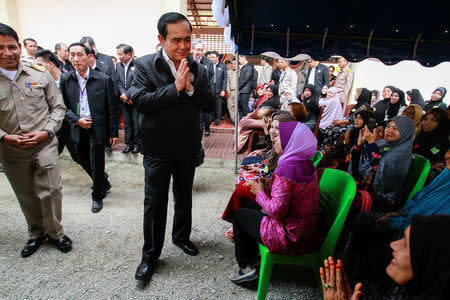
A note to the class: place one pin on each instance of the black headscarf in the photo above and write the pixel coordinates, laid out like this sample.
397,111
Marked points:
429,249
364,98
273,102
382,106
354,133
430,103
437,139
392,111
416,97
312,103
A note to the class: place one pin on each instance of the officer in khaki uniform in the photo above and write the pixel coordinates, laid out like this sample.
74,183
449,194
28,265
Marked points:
31,110
231,90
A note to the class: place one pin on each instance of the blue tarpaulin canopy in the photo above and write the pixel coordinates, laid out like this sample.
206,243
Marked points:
390,31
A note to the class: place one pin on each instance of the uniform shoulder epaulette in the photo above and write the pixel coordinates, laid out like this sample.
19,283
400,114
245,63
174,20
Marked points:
37,67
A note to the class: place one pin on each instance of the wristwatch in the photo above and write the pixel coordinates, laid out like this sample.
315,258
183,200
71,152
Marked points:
50,133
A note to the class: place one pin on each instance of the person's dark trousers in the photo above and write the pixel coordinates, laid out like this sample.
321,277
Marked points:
131,124
243,105
218,108
64,140
205,121
92,159
158,171
246,231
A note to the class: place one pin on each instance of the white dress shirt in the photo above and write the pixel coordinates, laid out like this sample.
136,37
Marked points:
83,105
172,68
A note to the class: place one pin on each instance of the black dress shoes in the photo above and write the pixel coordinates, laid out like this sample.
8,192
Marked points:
187,246
207,133
97,206
145,270
136,149
33,245
108,149
216,123
127,149
63,244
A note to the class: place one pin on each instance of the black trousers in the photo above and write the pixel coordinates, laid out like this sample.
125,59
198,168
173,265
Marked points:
64,140
243,105
246,231
92,159
218,107
131,124
158,171
205,121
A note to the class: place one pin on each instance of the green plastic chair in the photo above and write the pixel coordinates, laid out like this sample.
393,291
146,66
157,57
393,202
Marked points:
417,174
337,190
317,158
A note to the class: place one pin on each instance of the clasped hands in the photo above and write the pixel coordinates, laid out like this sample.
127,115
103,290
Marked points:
182,80
26,140
257,185
125,99
335,285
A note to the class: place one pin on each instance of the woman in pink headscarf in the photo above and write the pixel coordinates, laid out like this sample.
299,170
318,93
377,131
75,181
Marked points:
287,218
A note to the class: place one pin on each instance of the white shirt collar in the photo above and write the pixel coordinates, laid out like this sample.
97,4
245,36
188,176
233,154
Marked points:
170,63
81,78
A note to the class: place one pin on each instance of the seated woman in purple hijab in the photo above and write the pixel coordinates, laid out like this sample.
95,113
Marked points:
286,220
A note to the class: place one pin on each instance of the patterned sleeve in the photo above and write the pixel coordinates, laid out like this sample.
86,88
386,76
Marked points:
276,205
374,154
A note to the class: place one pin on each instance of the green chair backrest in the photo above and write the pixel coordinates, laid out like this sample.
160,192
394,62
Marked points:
417,174
317,158
337,191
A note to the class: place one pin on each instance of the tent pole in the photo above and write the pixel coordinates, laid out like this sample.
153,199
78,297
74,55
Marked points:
236,115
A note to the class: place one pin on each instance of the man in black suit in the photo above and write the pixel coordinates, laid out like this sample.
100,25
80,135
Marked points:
105,65
245,85
198,51
88,96
219,84
317,74
125,75
170,91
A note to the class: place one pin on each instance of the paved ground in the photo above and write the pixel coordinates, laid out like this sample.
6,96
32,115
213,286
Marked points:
107,245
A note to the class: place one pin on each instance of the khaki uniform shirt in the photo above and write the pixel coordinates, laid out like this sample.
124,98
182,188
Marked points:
231,80
264,74
343,84
31,102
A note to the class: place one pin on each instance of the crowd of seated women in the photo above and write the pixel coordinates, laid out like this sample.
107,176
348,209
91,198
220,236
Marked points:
276,199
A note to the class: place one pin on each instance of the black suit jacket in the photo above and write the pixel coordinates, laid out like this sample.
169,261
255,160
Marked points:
106,66
125,85
100,98
322,78
171,119
221,78
245,79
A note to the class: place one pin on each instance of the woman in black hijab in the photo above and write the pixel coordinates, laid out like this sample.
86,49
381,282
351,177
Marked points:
437,99
396,103
310,98
382,105
415,97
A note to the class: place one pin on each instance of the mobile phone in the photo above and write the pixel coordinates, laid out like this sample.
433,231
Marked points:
371,124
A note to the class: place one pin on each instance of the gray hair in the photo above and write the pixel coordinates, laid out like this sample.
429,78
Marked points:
197,41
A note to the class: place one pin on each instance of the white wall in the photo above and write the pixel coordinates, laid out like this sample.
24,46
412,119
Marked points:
108,22
406,75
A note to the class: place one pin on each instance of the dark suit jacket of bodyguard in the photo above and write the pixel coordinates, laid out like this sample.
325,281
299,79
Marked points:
221,78
245,79
125,85
99,89
171,119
